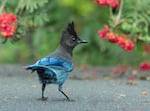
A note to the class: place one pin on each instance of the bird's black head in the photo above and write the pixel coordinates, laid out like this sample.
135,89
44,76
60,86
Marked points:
70,38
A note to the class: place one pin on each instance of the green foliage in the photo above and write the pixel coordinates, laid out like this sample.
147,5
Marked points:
41,23
31,5
136,19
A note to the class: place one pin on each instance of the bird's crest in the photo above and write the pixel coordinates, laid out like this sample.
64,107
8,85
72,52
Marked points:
70,29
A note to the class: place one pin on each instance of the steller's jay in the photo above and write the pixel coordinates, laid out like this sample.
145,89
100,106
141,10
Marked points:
56,67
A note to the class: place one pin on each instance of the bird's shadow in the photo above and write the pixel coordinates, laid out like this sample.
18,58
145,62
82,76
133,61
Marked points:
62,100
57,100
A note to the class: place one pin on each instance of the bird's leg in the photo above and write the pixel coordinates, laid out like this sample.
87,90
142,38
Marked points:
60,89
43,88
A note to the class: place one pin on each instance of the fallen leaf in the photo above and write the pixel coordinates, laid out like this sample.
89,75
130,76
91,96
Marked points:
144,93
134,72
137,110
132,83
34,86
121,96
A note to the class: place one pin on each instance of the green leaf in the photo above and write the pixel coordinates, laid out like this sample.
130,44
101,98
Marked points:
31,5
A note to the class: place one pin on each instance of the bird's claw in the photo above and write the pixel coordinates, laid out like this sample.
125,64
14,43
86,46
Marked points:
43,99
67,99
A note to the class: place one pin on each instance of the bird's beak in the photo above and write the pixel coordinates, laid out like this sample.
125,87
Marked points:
82,41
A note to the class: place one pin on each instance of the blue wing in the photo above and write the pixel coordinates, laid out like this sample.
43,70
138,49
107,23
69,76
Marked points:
51,62
53,67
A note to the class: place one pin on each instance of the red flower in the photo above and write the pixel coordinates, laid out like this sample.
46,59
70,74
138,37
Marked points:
125,44
112,3
129,46
7,24
145,66
103,32
112,37
121,42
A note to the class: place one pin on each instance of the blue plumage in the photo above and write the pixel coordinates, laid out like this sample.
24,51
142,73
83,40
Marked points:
53,67
56,67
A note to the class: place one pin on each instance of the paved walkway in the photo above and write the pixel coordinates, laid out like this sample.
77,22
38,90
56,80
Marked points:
20,93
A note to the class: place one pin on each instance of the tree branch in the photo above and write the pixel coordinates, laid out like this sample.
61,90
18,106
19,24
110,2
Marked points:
2,6
117,20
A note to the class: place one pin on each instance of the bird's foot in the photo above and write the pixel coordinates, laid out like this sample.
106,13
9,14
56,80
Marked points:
67,99
43,99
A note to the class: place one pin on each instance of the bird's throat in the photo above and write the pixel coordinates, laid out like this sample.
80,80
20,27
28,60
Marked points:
66,50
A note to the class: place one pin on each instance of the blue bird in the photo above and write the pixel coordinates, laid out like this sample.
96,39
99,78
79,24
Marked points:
57,66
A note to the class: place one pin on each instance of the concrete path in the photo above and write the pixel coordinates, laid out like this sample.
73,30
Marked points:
21,93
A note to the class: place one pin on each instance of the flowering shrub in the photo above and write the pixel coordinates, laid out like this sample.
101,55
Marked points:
8,24
120,40
29,12
106,33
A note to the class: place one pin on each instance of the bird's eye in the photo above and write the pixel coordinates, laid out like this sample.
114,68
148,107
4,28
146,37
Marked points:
73,39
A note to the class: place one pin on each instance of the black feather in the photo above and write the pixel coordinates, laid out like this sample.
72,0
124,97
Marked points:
71,30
